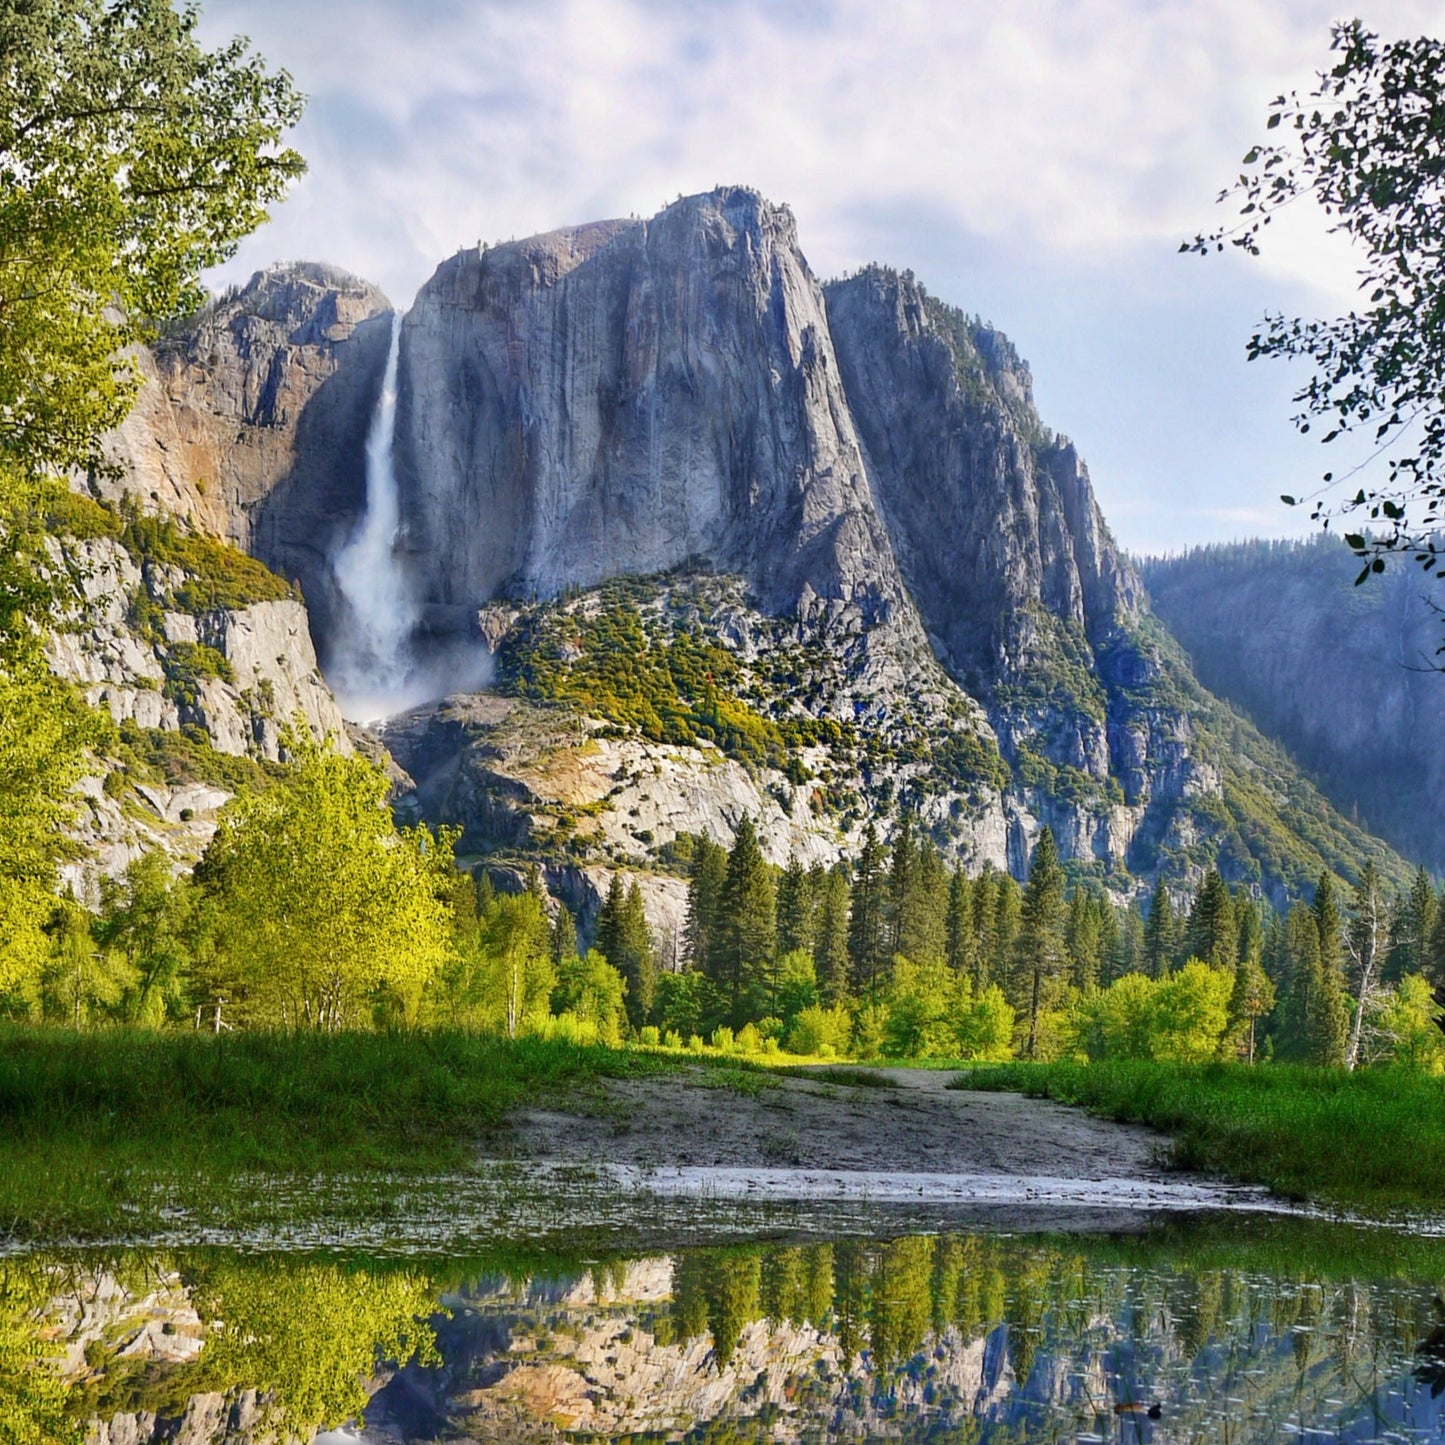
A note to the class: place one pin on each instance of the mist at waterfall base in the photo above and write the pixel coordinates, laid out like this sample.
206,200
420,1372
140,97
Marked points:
379,666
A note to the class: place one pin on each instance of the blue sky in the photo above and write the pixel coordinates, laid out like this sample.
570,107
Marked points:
1034,161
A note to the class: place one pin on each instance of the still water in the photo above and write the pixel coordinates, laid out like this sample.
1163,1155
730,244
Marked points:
1194,1329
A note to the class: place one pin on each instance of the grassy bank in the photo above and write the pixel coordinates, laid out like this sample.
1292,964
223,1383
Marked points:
91,1122
1371,1140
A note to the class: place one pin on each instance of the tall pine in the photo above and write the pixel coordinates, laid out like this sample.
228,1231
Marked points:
747,921
867,923
1041,951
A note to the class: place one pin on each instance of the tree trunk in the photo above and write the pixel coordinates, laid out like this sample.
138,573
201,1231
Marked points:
1034,1018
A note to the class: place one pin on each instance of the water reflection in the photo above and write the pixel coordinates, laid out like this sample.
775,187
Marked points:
1198,1333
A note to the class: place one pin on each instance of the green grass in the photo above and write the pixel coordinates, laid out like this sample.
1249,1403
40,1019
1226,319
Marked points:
853,1078
1371,1140
92,1124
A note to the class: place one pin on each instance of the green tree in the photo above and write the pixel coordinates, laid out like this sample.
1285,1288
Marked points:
1411,919
1161,933
705,883
625,941
830,937
144,917
592,991
961,937
1367,145
1251,999
1041,951
796,907
323,910
747,923
867,920
1212,931
131,158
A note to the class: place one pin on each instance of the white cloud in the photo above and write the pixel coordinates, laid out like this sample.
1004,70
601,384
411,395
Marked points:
1081,124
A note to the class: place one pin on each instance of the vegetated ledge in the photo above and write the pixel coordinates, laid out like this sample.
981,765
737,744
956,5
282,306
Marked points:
1372,1140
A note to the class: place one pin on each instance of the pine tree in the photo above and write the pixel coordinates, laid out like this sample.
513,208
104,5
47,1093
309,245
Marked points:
747,918
1127,953
1212,932
1041,950
564,935
796,906
637,961
830,937
1084,934
961,947
704,894
1435,949
1159,933
1008,901
608,933
987,955
1410,933
867,941
902,885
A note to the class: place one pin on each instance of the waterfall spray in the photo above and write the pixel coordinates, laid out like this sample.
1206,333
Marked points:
372,662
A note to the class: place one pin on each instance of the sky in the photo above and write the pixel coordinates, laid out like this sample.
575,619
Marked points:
1037,162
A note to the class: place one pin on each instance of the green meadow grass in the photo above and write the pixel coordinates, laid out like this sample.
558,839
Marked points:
91,1123
1372,1140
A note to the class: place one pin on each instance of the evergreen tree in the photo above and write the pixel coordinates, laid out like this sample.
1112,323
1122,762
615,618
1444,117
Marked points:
925,922
830,937
1300,985
608,933
564,936
796,907
1041,951
1127,952
1435,949
902,885
1212,932
1252,998
1084,935
987,954
1007,921
867,939
637,960
961,948
704,895
747,918
1160,933
1412,925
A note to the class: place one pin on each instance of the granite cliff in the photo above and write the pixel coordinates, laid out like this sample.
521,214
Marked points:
845,491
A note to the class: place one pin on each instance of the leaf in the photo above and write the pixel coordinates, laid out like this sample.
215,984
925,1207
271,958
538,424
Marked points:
1272,122
1288,500
1355,541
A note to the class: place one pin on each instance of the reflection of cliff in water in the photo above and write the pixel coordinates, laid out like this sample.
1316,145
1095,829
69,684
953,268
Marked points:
917,1338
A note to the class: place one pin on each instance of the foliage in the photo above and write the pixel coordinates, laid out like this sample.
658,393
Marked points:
1404,1023
130,160
322,910
592,991
32,1391
310,1336
667,681
1367,145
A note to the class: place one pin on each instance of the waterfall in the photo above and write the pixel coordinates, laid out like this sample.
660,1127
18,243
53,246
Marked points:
372,663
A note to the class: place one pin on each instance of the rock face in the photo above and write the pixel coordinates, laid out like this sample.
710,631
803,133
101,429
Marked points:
252,420
680,396
990,515
621,397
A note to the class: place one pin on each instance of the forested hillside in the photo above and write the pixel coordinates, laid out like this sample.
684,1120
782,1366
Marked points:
1342,676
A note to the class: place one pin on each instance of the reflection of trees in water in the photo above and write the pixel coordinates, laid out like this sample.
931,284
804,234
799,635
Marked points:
1247,1332
307,1337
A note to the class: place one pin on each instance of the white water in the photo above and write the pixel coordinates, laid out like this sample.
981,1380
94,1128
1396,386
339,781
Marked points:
372,665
